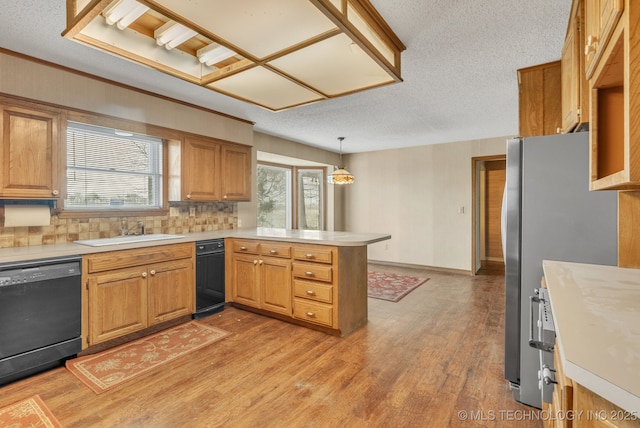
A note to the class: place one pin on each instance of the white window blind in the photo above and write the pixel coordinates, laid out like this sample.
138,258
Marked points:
110,169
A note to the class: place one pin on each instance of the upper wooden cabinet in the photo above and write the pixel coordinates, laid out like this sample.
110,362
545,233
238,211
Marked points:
540,99
214,171
614,101
601,19
575,87
29,149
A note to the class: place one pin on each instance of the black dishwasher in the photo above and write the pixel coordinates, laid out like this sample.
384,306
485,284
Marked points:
209,277
40,315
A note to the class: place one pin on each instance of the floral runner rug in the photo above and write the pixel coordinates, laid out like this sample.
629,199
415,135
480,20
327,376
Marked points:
392,287
31,412
112,367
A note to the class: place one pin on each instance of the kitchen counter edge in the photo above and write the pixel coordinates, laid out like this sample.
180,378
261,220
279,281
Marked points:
340,239
558,275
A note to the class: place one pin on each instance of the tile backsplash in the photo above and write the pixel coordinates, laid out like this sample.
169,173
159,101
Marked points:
182,218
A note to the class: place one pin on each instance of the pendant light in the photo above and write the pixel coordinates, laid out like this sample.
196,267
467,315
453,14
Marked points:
341,175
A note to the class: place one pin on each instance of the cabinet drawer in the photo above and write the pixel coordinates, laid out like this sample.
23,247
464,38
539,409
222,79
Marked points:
313,254
313,290
313,271
313,312
249,247
141,256
275,249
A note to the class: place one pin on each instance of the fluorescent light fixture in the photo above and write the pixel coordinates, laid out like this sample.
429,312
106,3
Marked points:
123,12
172,34
213,54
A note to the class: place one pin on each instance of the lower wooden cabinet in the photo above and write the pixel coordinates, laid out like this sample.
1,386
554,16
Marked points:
320,286
260,281
129,290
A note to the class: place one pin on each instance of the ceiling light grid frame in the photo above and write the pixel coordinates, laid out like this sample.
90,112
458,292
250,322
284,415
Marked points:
345,47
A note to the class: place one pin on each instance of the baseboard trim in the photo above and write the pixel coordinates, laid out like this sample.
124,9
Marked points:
414,266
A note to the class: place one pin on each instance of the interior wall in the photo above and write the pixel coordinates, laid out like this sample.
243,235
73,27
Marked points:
422,197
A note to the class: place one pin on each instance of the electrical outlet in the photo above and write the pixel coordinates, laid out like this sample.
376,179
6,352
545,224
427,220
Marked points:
461,209
192,211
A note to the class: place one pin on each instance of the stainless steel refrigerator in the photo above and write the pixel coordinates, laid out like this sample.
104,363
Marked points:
548,214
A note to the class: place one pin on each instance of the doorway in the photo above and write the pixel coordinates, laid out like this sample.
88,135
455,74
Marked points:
489,175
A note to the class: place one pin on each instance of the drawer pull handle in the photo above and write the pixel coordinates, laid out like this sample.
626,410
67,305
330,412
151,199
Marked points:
311,292
243,248
309,255
273,251
308,273
311,314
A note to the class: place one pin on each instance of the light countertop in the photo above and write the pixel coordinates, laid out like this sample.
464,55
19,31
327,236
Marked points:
596,310
345,239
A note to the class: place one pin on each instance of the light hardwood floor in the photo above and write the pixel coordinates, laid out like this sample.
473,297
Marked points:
425,361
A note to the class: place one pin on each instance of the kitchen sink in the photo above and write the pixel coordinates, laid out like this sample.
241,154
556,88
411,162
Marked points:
128,239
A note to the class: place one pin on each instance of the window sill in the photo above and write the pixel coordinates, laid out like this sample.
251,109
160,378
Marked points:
111,213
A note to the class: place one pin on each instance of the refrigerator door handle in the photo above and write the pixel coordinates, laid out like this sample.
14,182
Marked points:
536,344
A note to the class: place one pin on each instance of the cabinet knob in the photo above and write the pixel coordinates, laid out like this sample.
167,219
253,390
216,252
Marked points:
153,272
308,273
311,314
260,262
224,197
273,251
558,130
255,262
55,193
311,292
309,255
144,274
243,248
188,195
592,43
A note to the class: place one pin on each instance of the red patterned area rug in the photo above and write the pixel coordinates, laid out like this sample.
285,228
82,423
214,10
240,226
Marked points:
31,412
392,287
112,367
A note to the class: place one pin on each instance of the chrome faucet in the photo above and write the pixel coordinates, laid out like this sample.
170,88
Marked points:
124,231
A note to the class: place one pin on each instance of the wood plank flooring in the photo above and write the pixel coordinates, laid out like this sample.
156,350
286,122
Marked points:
421,362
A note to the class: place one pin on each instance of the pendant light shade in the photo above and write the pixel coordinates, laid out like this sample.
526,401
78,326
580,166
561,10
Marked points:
341,175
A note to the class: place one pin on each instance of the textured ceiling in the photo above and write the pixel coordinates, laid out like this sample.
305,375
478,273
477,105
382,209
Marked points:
459,72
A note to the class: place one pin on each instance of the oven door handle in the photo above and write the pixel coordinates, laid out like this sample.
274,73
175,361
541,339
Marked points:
537,344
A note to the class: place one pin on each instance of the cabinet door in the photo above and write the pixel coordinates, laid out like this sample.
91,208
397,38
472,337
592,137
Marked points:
28,153
236,173
570,69
200,170
171,290
117,304
245,280
540,105
275,285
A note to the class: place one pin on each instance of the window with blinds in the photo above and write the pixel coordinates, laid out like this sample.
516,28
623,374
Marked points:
111,169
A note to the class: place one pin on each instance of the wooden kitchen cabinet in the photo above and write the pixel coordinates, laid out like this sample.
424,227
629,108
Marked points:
601,19
614,104
575,87
130,290
29,151
261,276
319,286
213,170
596,412
539,99
562,404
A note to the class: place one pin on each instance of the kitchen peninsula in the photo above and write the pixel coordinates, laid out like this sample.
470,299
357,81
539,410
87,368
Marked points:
313,278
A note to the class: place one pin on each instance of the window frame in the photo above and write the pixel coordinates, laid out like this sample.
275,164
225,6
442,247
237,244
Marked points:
294,190
124,125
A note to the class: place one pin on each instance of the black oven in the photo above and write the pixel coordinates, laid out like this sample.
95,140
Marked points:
209,277
40,315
